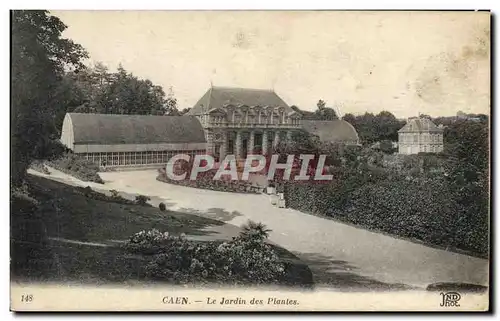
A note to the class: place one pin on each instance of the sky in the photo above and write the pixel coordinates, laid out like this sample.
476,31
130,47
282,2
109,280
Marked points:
434,63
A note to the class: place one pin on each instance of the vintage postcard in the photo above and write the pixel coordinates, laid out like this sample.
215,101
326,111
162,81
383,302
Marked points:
250,161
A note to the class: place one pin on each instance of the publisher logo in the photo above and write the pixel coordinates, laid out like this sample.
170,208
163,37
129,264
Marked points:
450,299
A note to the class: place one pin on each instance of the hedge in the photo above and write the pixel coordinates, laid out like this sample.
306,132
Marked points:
423,208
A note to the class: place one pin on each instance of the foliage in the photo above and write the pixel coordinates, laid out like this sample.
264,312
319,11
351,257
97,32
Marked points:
78,167
149,242
142,200
97,90
241,260
39,166
254,232
114,193
39,58
386,147
438,199
373,128
205,180
321,113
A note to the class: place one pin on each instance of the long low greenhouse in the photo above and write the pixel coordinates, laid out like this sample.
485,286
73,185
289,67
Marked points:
132,140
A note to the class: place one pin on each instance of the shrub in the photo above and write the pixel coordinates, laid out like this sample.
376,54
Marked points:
386,147
115,196
114,193
254,232
39,166
162,207
78,167
236,262
245,259
423,206
87,191
142,199
149,242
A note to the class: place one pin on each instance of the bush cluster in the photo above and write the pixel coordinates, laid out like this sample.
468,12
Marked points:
414,204
142,200
149,242
114,197
39,166
247,259
205,181
78,167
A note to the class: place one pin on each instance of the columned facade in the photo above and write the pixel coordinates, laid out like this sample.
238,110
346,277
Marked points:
243,142
276,138
251,143
244,121
265,140
239,144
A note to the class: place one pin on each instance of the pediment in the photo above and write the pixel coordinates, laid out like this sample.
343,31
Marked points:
217,111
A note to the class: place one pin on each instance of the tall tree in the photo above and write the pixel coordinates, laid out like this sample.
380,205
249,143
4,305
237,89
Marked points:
373,128
321,104
323,112
120,93
40,56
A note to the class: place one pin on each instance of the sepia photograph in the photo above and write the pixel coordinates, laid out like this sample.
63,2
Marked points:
250,160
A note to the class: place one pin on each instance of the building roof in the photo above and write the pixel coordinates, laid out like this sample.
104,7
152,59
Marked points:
420,125
135,129
331,130
217,97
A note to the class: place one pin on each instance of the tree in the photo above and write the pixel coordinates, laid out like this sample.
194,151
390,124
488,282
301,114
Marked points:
350,118
373,128
40,56
321,104
184,111
170,106
467,169
323,112
100,91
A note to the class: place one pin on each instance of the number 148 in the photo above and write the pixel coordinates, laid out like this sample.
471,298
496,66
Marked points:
26,298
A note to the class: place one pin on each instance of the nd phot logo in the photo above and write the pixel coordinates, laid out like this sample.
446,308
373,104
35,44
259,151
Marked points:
450,299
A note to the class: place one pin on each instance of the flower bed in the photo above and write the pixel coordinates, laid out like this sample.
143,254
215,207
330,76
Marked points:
205,181
247,259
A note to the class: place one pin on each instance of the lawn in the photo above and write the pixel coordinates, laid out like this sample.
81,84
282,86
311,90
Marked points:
70,215
79,237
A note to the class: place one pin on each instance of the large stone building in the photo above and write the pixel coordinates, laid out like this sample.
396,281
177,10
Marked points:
420,135
224,121
241,121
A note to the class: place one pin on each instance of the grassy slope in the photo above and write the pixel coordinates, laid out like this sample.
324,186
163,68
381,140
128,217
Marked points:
67,214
